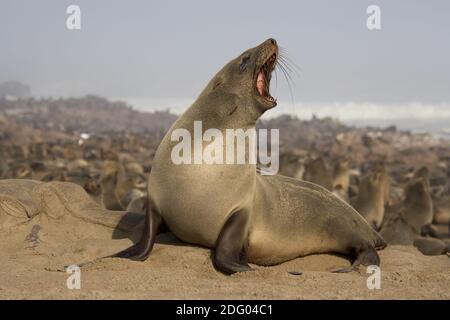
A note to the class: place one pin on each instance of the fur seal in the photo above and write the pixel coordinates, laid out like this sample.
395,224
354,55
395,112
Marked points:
4,167
339,192
291,165
341,174
442,211
121,184
316,172
372,197
243,216
108,183
410,223
418,205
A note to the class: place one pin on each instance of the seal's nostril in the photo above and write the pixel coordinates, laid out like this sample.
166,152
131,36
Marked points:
272,41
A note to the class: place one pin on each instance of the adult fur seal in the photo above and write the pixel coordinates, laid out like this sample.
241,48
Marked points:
243,216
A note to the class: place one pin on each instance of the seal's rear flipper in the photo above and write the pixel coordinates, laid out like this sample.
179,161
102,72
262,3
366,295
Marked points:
430,230
431,246
141,250
367,256
230,255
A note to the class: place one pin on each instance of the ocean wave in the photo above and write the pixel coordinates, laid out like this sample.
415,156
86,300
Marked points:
415,115
369,111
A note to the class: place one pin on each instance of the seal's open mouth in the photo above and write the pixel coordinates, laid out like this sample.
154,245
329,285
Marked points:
263,78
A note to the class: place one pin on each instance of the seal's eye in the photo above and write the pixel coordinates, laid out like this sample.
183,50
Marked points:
244,62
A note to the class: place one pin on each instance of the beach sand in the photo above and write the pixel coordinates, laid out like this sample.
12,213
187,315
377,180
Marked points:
179,271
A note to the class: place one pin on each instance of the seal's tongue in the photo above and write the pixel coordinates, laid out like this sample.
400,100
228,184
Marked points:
261,83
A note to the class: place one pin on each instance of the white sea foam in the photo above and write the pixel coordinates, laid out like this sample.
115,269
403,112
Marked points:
353,111
414,115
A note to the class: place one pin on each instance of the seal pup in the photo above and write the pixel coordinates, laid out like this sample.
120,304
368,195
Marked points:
410,224
118,186
108,183
246,217
341,174
418,204
371,200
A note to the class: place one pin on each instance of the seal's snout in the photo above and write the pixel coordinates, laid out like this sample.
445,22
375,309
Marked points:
270,45
272,41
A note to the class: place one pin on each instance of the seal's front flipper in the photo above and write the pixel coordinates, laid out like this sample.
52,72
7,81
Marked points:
141,250
230,254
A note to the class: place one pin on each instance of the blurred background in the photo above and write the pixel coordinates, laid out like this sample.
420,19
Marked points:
158,55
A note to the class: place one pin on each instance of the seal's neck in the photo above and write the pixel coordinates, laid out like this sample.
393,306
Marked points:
223,112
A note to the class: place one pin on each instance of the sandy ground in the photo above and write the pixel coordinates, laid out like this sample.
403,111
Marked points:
178,271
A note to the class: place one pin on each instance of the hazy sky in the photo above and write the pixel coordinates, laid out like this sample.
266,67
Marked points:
164,52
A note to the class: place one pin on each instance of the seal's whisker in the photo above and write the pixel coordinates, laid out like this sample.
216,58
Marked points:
282,49
286,65
285,70
295,67
290,64
288,79
276,79
285,55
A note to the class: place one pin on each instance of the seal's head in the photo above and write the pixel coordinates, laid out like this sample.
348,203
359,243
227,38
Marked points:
343,164
248,76
417,190
375,180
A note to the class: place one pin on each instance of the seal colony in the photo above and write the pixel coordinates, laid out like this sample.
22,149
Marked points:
107,150
243,216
